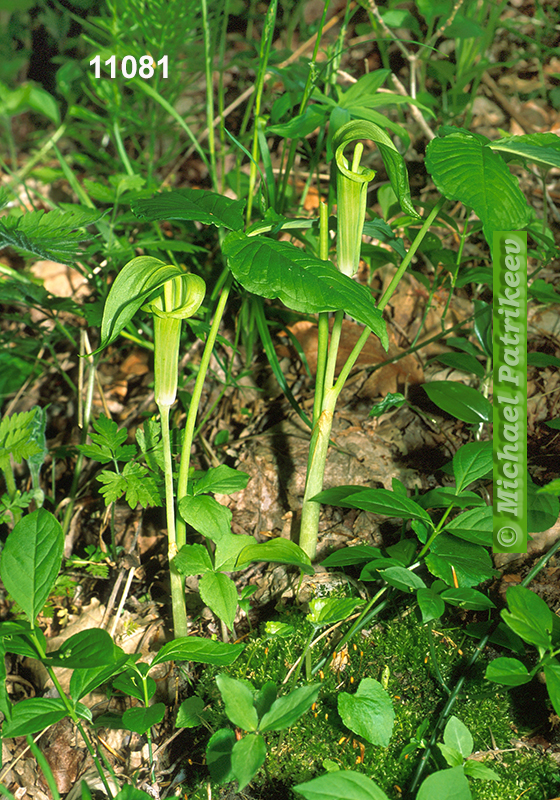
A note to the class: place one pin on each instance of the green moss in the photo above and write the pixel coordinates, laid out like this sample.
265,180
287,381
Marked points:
396,653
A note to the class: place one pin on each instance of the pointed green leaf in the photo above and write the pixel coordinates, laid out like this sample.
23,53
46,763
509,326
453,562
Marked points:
193,559
31,560
457,735
448,784
238,699
507,671
377,501
279,550
474,526
195,648
285,710
529,616
190,713
218,755
199,205
369,712
430,603
219,593
472,564
88,648
467,598
206,516
247,757
33,715
280,270
552,675
222,480
462,402
471,462
464,169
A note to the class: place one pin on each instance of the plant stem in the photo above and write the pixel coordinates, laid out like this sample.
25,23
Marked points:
177,581
188,434
408,258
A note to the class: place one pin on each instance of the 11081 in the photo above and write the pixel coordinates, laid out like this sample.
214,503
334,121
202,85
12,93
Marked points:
129,67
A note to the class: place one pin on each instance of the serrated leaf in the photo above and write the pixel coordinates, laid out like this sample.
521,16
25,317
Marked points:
279,270
464,169
114,486
53,235
200,205
140,487
31,560
16,437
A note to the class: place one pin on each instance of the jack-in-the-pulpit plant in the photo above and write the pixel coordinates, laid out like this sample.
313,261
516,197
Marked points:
171,295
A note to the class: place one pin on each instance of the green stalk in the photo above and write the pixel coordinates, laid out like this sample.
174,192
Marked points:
408,258
188,434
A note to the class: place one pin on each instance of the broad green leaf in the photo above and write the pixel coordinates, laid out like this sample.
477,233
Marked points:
136,281
285,710
193,559
33,715
238,700
206,516
195,648
467,598
430,603
347,556
222,480
218,755
278,550
452,756
190,713
86,649
369,712
31,560
448,784
552,675
84,681
341,784
247,757
199,205
457,735
219,593
280,270
464,169
402,579
542,360
140,720
472,563
507,671
462,402
377,501
529,616
329,610
471,462
537,148
474,526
